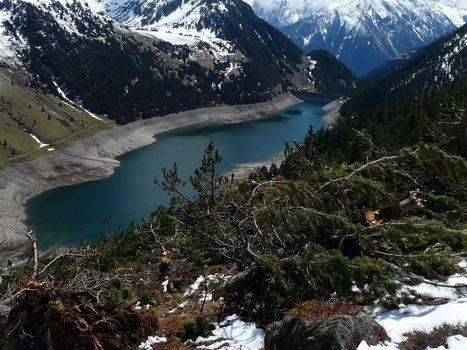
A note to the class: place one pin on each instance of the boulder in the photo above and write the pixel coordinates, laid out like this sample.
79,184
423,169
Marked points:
335,332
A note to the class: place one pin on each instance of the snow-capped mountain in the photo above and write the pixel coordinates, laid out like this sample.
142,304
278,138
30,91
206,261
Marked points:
441,63
365,33
198,52
223,24
72,17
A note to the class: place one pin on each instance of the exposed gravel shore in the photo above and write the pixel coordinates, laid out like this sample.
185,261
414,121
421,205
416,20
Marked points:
333,113
94,158
330,120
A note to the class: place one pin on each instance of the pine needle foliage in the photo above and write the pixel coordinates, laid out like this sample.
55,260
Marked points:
348,215
309,235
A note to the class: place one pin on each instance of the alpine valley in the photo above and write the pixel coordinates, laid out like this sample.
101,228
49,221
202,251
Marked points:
68,66
360,223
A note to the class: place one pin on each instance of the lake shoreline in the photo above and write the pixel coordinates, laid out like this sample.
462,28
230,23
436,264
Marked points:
93,158
330,120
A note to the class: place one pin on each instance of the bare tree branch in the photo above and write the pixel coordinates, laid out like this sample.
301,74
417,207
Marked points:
32,237
359,170
67,253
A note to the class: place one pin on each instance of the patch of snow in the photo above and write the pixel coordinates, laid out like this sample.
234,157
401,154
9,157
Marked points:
165,284
222,7
92,115
70,103
10,45
191,289
139,307
239,335
179,306
39,141
154,339
190,37
430,291
422,317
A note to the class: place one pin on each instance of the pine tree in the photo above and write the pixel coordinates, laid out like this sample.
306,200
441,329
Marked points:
207,180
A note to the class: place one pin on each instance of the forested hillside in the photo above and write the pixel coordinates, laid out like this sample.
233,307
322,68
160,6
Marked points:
349,215
432,67
127,75
66,69
329,74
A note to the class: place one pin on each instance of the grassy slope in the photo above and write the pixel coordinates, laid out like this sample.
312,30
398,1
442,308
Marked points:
54,122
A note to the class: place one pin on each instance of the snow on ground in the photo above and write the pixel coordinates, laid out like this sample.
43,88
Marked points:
70,103
424,318
231,334
191,37
417,317
9,44
234,334
456,10
174,38
185,13
39,141
191,289
154,339
200,281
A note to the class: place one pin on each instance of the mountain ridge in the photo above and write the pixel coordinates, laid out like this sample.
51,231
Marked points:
435,66
375,30
70,55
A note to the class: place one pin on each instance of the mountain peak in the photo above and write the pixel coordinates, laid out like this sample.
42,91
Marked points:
365,33
200,52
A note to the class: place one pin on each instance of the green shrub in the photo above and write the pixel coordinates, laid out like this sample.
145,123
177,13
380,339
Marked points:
202,327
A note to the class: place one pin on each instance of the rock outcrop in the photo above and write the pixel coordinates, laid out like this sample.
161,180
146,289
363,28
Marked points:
324,326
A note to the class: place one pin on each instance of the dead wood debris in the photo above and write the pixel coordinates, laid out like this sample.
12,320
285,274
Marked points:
48,317
380,216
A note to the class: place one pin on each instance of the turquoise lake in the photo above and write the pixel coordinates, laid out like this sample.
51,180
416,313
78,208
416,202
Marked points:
66,215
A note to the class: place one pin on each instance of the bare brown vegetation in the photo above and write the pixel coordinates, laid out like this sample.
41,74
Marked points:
49,317
421,339
324,310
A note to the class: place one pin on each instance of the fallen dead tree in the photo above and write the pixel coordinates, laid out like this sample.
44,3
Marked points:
232,285
380,216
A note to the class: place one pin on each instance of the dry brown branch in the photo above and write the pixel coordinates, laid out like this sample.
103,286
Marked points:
32,237
67,253
382,215
347,179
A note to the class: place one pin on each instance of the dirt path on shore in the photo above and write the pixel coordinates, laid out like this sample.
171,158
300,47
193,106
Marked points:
93,158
